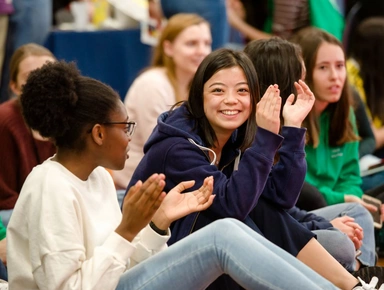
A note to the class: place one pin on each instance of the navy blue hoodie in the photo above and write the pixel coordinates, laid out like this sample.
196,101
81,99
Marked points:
175,149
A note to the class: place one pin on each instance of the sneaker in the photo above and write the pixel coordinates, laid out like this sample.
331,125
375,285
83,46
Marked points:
367,273
370,286
3,285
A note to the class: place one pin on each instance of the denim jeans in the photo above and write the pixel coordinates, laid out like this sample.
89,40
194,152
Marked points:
31,22
331,240
5,215
3,271
224,246
214,11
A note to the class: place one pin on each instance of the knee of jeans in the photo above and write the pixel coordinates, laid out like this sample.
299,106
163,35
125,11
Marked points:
223,227
360,212
339,246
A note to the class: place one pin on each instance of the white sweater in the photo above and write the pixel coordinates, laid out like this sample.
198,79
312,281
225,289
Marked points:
61,234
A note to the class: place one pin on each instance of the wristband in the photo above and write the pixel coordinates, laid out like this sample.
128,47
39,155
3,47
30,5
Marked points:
157,230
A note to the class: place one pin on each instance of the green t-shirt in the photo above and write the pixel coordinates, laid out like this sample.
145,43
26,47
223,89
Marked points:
334,171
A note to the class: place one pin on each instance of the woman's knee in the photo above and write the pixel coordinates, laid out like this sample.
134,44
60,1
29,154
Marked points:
338,245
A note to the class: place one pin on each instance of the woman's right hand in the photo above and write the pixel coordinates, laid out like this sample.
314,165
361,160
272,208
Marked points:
140,204
268,110
353,198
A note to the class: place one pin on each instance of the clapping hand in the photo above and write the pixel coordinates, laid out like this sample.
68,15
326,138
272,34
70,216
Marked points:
140,204
295,113
177,204
268,110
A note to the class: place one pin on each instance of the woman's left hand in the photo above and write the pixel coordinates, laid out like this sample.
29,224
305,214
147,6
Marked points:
177,204
295,113
353,230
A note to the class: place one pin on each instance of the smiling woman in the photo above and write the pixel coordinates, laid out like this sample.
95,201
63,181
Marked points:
183,44
218,122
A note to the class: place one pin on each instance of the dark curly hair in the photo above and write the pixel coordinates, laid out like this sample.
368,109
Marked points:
61,104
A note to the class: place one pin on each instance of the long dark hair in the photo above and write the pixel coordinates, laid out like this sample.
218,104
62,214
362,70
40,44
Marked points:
341,130
277,61
214,62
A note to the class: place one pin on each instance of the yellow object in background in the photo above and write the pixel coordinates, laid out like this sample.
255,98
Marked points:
100,12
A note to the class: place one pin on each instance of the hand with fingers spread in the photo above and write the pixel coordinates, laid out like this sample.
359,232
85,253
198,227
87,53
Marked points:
295,112
140,204
177,204
353,230
268,110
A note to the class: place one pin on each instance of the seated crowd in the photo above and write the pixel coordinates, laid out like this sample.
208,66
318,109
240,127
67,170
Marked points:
215,161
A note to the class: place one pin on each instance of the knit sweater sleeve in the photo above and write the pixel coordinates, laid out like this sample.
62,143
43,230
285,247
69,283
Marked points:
67,226
64,256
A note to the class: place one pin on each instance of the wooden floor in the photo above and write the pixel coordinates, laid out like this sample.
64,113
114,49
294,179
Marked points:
380,262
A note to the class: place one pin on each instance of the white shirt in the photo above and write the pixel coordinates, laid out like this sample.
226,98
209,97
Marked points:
62,233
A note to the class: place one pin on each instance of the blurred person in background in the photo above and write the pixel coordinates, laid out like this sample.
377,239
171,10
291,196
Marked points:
183,44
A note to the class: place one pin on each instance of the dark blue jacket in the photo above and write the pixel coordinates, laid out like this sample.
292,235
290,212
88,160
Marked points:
172,150
309,220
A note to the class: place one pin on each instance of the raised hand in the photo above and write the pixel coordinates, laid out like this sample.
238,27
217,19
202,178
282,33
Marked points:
177,204
295,113
140,204
268,110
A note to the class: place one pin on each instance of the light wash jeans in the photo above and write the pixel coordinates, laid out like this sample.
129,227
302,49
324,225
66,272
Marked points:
224,246
214,11
332,240
5,215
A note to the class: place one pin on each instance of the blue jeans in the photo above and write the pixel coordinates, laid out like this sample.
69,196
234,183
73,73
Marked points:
3,271
5,215
31,22
224,246
214,11
332,240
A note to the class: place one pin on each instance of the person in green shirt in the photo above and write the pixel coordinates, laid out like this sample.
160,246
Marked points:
332,146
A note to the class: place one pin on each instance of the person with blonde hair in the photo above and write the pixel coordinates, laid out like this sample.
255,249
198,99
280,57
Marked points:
183,44
21,147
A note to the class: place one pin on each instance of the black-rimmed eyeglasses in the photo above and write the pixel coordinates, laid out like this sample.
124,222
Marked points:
130,129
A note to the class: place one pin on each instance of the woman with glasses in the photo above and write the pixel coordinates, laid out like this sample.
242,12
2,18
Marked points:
67,231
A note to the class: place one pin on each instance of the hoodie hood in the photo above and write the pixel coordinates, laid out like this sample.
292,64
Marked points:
173,124
177,123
